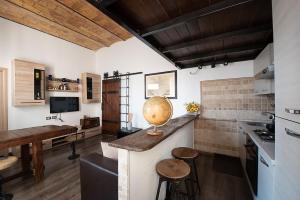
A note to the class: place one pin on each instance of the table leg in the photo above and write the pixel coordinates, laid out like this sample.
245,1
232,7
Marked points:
37,160
25,157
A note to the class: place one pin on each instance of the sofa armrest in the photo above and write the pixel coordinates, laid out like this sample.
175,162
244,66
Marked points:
98,178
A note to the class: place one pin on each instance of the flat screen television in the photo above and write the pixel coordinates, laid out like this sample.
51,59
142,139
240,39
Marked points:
64,104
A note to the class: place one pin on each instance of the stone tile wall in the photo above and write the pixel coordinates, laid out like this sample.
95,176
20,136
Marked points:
224,102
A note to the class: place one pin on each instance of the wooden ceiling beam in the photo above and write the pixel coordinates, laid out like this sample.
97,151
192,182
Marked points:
105,3
130,30
214,8
89,11
20,15
64,16
220,53
241,32
218,61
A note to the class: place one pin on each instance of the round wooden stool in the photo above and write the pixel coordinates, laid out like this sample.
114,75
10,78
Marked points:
5,163
172,171
189,155
73,139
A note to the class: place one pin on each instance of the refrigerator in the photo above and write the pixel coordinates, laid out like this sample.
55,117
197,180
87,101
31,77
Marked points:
286,30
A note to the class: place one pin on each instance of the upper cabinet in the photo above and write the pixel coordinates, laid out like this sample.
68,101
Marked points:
265,60
91,88
28,83
264,71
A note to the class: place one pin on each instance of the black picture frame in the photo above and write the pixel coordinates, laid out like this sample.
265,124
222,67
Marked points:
160,73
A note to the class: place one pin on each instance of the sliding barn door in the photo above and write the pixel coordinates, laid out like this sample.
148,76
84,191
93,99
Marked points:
111,106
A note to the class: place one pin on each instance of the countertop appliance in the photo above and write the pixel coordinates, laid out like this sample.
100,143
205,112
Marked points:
252,163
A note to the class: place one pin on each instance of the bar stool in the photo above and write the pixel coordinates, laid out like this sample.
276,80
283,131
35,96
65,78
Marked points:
172,171
5,163
189,155
73,139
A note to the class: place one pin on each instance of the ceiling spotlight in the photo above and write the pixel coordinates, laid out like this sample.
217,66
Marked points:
200,67
226,63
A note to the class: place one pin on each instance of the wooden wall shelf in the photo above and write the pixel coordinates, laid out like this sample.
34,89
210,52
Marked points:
54,86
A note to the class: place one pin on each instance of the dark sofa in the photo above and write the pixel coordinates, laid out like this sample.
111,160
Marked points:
98,178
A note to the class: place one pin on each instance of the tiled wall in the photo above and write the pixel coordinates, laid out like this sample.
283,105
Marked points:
224,102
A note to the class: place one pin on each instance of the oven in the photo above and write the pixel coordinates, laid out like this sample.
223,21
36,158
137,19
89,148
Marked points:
252,163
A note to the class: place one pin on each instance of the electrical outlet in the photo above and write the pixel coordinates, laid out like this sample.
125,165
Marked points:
48,118
54,117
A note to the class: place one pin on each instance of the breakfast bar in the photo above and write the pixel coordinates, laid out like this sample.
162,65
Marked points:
139,153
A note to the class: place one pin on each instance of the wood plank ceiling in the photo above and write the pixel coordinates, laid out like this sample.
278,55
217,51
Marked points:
76,21
194,33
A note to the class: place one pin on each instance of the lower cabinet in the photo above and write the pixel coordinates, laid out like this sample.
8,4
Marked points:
265,187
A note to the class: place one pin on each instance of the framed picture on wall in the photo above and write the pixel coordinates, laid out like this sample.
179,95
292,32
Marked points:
161,84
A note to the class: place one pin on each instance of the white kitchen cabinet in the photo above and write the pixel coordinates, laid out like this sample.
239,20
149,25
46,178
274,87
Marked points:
287,154
265,183
264,59
286,29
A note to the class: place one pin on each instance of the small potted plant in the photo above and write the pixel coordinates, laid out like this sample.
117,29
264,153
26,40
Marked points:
192,108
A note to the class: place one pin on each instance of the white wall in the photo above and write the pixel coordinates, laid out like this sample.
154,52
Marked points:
134,56
63,59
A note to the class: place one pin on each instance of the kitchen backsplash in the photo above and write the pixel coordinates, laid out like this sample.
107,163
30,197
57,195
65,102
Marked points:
223,104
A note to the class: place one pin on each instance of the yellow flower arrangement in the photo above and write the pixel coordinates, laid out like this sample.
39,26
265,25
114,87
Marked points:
192,107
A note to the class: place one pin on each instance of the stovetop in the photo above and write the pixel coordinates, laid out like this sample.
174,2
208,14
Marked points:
265,135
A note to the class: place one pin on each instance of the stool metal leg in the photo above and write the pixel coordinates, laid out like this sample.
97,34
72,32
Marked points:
188,190
74,155
158,188
196,175
168,191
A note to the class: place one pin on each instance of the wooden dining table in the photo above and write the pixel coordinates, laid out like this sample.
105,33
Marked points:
35,136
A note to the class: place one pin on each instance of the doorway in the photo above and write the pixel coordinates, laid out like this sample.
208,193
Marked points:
3,99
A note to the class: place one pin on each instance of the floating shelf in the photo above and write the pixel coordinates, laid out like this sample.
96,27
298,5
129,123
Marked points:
53,85
54,90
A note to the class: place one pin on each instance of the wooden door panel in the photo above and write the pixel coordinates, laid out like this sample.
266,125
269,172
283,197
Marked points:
111,119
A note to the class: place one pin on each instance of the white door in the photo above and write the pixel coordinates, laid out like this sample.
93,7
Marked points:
3,99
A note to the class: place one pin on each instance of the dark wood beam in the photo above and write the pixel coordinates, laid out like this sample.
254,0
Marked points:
214,8
127,27
246,31
218,61
105,3
220,53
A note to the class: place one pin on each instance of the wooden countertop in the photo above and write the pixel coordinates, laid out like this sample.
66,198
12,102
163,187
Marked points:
141,141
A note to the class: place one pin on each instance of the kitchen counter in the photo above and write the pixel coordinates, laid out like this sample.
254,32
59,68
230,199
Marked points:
141,141
267,147
139,153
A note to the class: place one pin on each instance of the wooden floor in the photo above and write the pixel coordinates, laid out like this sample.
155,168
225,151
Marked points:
62,177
